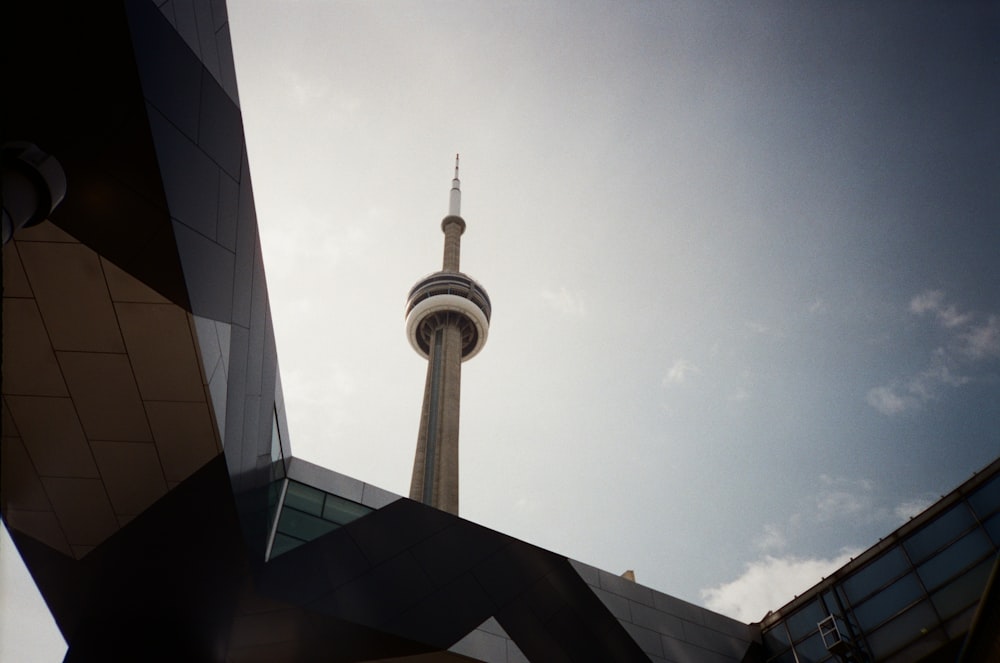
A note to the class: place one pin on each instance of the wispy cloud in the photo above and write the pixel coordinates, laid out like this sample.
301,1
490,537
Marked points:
769,582
916,390
303,90
888,402
680,371
316,241
837,499
912,507
817,306
778,575
564,301
846,499
773,538
929,300
932,301
739,395
966,344
981,341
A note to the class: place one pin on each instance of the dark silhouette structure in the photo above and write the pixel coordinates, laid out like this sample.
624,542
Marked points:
147,476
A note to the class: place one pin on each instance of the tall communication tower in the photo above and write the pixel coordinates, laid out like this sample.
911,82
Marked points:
447,320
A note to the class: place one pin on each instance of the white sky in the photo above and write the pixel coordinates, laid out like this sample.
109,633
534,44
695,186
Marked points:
742,259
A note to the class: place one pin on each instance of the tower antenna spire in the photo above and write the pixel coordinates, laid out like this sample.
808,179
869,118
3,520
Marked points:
455,201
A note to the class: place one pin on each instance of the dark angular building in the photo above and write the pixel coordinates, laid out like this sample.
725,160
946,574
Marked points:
148,479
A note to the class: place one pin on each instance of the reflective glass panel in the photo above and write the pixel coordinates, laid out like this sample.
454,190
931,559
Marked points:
954,559
963,591
343,511
273,494
883,570
986,500
992,527
959,625
786,657
888,602
302,525
932,537
917,649
805,619
776,639
304,498
283,544
909,626
812,650
308,513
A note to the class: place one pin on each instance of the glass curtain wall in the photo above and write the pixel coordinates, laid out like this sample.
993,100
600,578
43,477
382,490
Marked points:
916,596
306,513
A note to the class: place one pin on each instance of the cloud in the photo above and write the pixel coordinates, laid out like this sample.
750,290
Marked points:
966,344
915,391
564,301
680,371
841,504
769,582
757,327
817,306
929,300
775,579
932,301
773,538
739,395
303,90
526,504
848,499
887,401
909,508
982,341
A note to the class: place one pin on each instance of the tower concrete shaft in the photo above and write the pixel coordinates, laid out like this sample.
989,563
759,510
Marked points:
435,465
447,320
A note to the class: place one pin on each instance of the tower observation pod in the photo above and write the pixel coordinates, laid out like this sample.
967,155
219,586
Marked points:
447,320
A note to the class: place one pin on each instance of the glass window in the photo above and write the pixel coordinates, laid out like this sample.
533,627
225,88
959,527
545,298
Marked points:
958,625
273,495
992,527
921,649
888,602
283,543
804,621
776,642
954,559
830,602
776,639
302,525
878,573
940,532
986,499
308,513
963,591
785,657
812,650
304,498
911,625
338,510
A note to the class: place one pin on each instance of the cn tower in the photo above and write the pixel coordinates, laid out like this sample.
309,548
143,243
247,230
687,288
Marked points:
447,320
